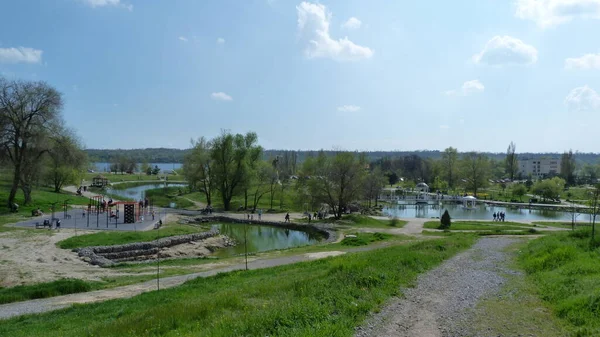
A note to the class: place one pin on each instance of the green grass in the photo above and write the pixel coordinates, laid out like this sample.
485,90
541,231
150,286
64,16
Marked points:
478,225
110,238
163,197
363,221
561,224
327,297
363,239
44,290
531,231
516,310
565,268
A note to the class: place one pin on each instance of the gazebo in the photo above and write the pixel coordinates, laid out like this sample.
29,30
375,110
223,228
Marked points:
99,181
422,187
469,202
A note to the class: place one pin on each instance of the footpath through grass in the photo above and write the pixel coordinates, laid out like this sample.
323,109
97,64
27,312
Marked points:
111,238
44,290
327,297
566,269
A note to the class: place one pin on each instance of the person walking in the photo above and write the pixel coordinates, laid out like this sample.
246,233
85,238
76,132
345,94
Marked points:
287,217
260,214
494,215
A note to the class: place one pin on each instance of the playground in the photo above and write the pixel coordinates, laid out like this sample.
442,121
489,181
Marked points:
100,214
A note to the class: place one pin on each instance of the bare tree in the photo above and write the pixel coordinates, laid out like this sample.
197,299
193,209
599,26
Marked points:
512,162
30,112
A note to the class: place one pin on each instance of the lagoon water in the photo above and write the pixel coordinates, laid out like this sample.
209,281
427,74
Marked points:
137,192
105,167
263,238
479,213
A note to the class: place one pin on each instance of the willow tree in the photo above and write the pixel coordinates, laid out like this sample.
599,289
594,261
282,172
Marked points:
476,170
29,114
230,155
197,168
336,180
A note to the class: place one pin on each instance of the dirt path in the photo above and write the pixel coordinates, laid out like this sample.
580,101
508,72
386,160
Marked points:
29,258
440,304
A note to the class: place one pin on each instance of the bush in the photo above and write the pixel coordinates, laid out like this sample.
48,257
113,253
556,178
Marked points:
445,221
394,222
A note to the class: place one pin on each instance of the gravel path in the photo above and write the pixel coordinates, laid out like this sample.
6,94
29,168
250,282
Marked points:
440,304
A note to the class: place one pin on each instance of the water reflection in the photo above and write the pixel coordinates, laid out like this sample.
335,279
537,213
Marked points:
137,192
479,212
263,238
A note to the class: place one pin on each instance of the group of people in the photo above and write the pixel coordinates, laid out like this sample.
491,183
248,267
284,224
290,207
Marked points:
499,216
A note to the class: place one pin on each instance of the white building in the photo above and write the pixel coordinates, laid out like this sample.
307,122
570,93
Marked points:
539,167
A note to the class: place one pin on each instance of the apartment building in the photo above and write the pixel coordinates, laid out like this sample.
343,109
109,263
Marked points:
539,167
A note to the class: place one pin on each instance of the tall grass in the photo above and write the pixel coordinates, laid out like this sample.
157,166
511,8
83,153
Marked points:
43,290
566,269
328,297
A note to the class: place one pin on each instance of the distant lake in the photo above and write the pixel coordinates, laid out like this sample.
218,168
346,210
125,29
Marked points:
105,167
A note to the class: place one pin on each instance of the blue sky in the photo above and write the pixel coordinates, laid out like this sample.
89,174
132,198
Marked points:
356,75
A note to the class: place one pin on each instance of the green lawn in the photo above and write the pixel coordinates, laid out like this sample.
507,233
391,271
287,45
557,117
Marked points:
561,224
478,225
110,238
531,231
565,269
327,297
356,220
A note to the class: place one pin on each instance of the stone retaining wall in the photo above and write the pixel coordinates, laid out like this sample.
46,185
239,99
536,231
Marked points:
106,256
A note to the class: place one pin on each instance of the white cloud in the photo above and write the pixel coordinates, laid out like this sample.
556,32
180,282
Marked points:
221,96
20,55
183,38
583,99
313,27
220,40
352,23
348,108
468,88
587,61
104,3
506,50
547,13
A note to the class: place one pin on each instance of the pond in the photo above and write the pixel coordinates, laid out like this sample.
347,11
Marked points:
480,212
263,238
137,192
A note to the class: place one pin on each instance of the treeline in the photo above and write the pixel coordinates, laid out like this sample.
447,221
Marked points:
166,155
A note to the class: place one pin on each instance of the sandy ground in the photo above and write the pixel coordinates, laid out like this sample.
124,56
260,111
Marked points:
28,258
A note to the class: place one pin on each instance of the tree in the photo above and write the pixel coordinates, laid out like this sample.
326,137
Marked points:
449,162
519,190
567,167
374,183
66,160
230,155
475,167
549,188
146,168
197,168
262,182
336,181
511,162
29,114
393,178
445,221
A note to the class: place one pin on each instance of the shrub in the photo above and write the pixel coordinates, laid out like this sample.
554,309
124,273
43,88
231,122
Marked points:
445,221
